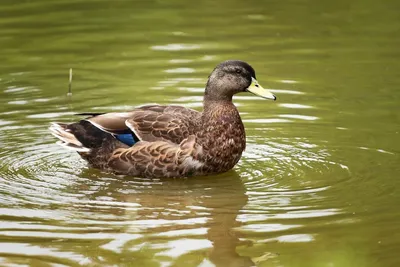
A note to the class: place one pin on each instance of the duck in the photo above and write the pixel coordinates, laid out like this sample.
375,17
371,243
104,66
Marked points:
161,141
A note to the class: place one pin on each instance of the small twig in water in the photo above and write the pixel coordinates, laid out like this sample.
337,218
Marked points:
70,83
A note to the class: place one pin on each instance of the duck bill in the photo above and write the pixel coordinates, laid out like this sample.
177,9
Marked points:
257,89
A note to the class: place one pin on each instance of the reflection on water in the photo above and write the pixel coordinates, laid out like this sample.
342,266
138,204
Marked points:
154,220
316,185
67,208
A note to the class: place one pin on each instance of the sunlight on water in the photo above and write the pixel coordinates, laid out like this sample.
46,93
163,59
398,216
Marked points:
319,173
176,47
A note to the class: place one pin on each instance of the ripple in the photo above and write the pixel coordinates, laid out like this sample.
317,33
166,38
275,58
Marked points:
292,238
176,47
288,92
53,198
378,150
174,248
199,90
291,184
176,81
49,254
18,102
302,185
49,115
256,17
267,120
288,81
41,100
180,70
4,122
18,90
180,61
299,117
294,106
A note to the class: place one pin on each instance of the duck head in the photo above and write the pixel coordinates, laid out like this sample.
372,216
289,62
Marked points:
232,77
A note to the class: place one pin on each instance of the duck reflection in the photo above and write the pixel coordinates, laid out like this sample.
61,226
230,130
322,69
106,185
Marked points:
179,221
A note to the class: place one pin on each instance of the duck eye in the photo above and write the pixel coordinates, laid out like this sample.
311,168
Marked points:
238,71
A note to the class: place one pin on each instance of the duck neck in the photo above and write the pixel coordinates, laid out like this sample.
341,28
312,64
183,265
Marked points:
221,118
217,91
222,134
220,111
220,115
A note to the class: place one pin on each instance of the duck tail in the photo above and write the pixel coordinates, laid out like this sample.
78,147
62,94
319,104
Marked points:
67,138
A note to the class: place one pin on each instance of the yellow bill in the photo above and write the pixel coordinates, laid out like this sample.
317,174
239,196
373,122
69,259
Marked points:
257,89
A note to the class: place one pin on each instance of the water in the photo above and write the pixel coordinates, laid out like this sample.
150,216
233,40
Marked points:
317,185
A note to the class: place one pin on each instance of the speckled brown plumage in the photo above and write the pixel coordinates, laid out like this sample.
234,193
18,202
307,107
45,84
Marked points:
171,141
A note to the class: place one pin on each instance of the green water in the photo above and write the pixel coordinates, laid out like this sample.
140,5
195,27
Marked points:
318,184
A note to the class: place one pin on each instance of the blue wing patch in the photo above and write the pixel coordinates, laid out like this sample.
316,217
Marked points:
127,139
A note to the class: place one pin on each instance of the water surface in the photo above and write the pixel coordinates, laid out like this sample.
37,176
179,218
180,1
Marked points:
317,185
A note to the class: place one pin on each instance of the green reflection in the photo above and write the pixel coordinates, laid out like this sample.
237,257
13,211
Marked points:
316,186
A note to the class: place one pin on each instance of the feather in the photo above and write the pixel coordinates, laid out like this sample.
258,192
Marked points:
67,139
128,139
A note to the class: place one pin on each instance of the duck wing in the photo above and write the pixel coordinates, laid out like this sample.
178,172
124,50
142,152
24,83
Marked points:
150,123
158,159
113,122
164,123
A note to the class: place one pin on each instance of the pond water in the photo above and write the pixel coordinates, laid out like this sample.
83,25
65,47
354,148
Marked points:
318,184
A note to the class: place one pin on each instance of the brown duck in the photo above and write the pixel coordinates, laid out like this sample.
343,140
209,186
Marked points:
169,141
